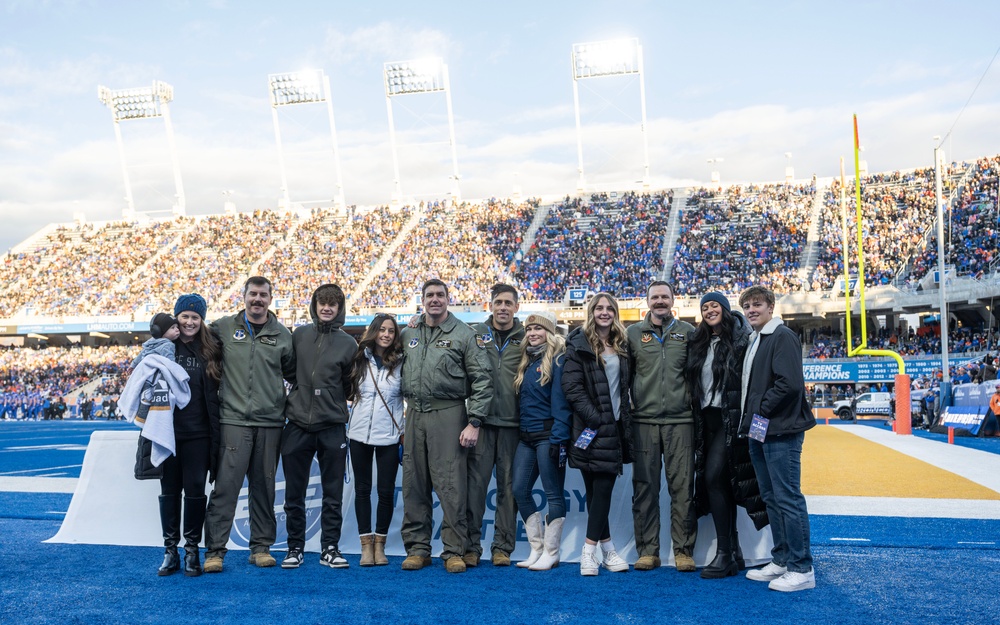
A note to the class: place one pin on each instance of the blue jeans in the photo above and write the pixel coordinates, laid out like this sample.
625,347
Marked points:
532,460
778,464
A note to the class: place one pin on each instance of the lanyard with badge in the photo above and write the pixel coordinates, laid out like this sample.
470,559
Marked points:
665,332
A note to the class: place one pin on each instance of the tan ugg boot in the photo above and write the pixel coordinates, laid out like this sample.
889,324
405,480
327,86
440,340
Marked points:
367,550
380,559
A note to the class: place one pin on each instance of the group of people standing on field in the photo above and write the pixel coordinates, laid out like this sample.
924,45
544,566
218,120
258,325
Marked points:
720,409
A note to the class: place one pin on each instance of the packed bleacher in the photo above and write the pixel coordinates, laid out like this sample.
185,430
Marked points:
609,244
923,341
897,210
455,245
327,249
741,236
57,371
973,227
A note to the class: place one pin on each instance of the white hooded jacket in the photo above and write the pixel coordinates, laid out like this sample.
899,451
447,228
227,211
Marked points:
370,419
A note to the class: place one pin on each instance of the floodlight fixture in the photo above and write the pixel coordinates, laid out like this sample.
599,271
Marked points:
311,86
599,59
143,103
416,76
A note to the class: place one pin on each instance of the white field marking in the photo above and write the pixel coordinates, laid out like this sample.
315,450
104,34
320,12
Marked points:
973,542
38,484
68,466
855,540
63,512
56,447
904,507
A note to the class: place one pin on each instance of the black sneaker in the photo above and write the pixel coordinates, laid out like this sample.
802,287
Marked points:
331,557
292,559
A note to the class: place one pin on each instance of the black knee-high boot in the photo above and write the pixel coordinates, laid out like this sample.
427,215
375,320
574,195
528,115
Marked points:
170,522
194,523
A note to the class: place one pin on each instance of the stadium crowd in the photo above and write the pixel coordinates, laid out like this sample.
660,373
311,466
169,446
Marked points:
608,244
325,249
455,245
897,209
31,376
924,341
741,236
972,232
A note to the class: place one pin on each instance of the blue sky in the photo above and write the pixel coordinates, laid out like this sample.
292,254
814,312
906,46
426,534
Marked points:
743,81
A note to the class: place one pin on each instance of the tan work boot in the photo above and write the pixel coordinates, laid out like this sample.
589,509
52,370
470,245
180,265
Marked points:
262,559
455,564
380,559
684,563
647,563
368,550
500,559
471,559
415,562
213,564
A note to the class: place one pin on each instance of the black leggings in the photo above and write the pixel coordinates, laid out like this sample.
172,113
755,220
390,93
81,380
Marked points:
718,482
387,464
599,488
188,470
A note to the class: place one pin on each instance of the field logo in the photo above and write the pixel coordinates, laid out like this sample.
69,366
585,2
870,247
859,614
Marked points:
240,534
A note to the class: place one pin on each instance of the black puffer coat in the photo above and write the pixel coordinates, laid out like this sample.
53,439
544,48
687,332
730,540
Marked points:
589,393
746,491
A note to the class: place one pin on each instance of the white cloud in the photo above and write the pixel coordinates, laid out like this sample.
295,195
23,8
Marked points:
385,42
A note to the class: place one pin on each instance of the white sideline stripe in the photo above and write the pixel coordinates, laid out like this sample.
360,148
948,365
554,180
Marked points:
38,485
981,467
903,507
65,466
854,540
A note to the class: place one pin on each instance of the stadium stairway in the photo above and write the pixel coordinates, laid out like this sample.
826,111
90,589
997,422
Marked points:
810,256
383,262
541,213
673,230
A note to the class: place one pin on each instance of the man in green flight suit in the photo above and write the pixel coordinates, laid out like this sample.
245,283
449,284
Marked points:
444,365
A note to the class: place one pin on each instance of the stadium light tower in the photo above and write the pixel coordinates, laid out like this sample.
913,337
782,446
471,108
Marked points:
714,175
428,75
305,87
143,103
789,170
617,57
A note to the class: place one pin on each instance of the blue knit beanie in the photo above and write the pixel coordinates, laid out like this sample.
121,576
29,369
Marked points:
192,302
717,297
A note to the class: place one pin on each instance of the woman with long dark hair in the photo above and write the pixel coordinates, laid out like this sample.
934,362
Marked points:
544,435
713,373
196,433
596,383
375,430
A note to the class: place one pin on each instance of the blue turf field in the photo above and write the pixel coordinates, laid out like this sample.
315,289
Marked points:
869,570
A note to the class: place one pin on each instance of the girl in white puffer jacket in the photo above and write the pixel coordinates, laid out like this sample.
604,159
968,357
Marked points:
375,431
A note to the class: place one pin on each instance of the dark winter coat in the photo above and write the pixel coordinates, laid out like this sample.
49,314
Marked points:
743,479
324,354
589,393
777,388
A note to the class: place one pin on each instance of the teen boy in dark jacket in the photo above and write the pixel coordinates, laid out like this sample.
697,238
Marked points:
317,424
775,416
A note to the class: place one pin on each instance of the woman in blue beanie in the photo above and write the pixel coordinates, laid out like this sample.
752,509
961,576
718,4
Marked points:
196,432
725,477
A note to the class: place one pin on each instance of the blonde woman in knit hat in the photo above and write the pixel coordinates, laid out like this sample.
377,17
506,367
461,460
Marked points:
544,435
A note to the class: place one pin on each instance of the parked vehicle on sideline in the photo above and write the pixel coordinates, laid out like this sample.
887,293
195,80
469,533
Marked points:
875,404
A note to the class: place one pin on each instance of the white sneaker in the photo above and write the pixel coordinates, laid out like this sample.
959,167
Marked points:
588,564
792,581
614,562
767,573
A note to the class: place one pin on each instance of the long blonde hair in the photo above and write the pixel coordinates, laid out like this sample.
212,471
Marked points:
555,346
617,338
